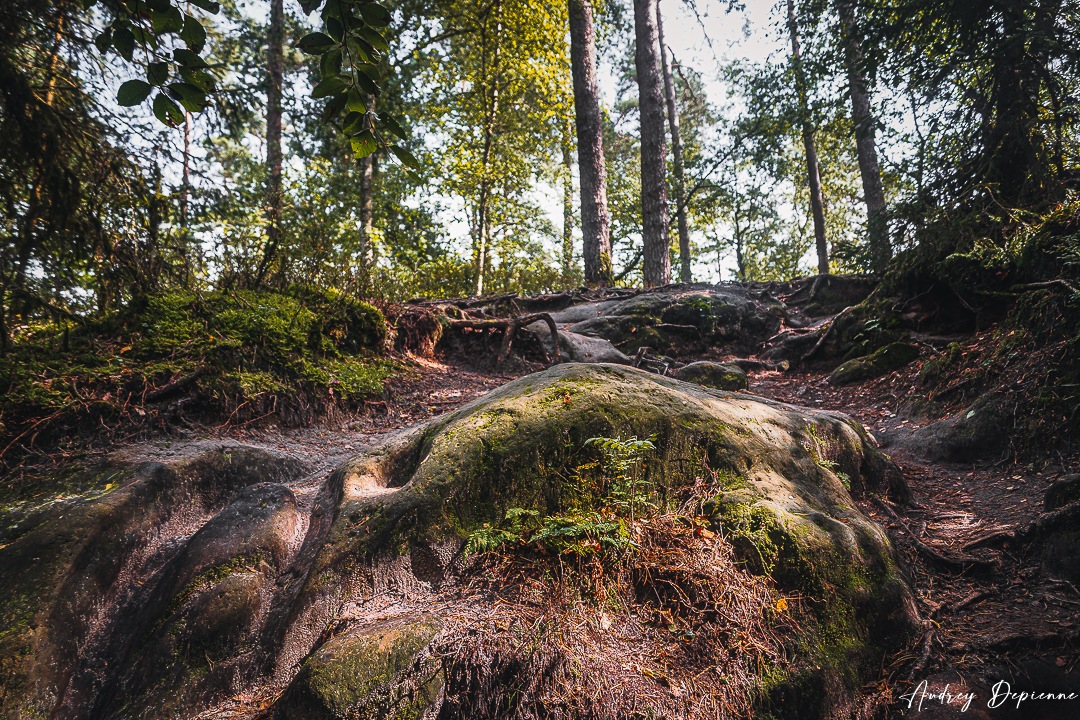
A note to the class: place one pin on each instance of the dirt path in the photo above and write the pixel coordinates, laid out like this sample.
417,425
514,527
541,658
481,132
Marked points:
1009,622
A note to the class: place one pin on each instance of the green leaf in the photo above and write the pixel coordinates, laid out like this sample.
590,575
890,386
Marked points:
329,86
367,84
209,6
157,73
194,34
189,59
87,4
353,123
124,42
192,98
199,78
335,29
167,111
333,107
361,50
371,71
171,21
393,126
364,144
375,15
162,6
145,37
413,176
133,92
103,41
407,159
372,36
330,63
315,43
356,102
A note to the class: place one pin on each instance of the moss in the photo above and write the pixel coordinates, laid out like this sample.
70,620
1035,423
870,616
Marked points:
881,362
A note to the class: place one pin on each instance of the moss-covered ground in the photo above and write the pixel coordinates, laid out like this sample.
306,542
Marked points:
224,356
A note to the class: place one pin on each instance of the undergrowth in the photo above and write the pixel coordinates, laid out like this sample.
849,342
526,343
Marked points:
225,357
619,612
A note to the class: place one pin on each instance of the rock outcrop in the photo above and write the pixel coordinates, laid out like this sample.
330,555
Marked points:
161,587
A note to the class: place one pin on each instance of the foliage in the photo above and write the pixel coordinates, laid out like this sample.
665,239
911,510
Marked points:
614,498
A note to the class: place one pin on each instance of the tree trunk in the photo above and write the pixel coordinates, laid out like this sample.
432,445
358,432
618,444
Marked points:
676,150
568,208
656,260
876,228
275,65
595,221
185,184
817,205
483,221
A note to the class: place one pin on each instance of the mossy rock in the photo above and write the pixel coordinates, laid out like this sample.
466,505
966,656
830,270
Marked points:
375,673
1062,493
685,316
93,571
881,362
408,505
714,375
981,432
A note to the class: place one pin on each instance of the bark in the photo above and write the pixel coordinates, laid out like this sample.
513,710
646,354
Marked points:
817,205
656,260
275,70
568,210
677,153
595,220
865,146
483,221
185,185
367,186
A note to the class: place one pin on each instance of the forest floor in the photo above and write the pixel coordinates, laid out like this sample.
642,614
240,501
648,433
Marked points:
1006,620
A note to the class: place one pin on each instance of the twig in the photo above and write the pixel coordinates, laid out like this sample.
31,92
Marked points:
924,656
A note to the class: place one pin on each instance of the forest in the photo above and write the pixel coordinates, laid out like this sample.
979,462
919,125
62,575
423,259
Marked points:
529,359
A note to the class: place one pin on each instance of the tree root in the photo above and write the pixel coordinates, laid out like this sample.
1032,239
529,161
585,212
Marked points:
959,564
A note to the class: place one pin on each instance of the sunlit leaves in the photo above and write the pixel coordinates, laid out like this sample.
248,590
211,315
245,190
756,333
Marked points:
364,144
375,15
316,43
330,86
193,34
156,74
192,98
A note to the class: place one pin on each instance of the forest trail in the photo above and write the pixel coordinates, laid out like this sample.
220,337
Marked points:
998,618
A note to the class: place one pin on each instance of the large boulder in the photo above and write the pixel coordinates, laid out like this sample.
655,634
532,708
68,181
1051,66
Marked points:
713,375
686,318
165,587
878,363
979,433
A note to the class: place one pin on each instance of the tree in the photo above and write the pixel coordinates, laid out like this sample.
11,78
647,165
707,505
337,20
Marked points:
677,153
817,203
595,221
873,193
656,257
275,42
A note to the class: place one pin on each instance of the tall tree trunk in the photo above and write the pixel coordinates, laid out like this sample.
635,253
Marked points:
568,207
656,261
367,208
876,227
275,66
185,184
676,150
595,220
483,221
817,205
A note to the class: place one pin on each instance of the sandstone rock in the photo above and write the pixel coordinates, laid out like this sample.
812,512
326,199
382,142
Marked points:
714,375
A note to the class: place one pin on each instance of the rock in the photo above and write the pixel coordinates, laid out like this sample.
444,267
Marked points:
168,587
980,432
714,375
684,317
375,673
881,362
579,348
1061,493
1061,555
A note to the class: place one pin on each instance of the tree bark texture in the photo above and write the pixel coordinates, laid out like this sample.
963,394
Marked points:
817,205
367,203
275,70
568,207
592,170
483,221
865,146
677,154
185,187
656,260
